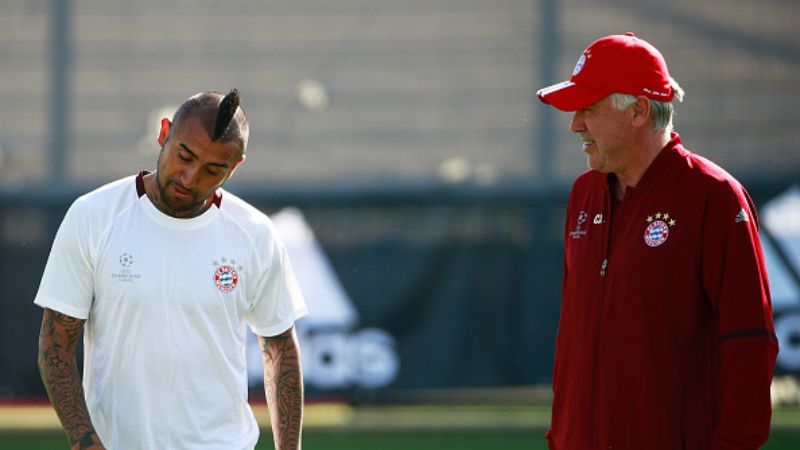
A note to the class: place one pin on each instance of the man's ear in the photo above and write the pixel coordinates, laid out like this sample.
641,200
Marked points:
166,125
236,166
641,111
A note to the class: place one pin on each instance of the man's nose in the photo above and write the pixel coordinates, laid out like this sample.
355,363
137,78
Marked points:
577,125
189,176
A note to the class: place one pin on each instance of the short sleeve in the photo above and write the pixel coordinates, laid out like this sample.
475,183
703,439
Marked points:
67,284
278,300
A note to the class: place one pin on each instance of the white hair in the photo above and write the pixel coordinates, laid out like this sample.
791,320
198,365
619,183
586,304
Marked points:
662,112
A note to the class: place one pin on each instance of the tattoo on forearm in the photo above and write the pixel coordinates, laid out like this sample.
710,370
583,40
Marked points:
58,339
283,386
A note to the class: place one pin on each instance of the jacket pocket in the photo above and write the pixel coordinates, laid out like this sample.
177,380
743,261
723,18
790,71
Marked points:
696,420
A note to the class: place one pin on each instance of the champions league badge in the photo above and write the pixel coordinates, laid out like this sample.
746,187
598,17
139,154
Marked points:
126,260
125,272
226,278
577,233
657,231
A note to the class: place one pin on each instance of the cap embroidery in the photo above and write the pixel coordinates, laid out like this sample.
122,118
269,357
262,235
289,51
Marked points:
579,65
658,93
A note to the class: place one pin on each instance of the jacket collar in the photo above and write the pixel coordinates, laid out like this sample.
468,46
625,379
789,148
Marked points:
656,169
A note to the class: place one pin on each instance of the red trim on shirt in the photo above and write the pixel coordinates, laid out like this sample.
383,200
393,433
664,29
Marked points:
140,191
217,198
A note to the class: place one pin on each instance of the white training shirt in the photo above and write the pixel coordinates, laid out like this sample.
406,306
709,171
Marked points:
166,303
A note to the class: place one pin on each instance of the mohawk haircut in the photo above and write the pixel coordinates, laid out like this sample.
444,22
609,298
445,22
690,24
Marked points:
221,116
225,112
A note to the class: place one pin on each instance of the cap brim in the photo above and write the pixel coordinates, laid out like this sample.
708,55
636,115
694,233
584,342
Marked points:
568,96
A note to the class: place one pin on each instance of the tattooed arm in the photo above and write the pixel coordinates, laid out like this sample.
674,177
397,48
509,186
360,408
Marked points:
283,386
58,340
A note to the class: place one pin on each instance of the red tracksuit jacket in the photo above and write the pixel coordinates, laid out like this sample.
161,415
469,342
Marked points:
665,339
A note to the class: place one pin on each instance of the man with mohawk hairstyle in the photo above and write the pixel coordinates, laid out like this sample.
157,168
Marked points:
162,272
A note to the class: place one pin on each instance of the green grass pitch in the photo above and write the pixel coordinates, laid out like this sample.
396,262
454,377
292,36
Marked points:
427,440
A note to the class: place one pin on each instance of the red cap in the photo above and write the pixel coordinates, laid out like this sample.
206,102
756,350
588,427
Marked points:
620,63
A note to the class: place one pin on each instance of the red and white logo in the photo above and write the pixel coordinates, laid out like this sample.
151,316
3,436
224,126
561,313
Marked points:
579,65
226,278
657,232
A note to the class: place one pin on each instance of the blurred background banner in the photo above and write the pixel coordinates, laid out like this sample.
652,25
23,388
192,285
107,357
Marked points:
426,185
780,234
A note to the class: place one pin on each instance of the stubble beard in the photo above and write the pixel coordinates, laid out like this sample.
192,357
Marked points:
164,202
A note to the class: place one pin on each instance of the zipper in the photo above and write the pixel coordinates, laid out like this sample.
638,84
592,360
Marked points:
595,357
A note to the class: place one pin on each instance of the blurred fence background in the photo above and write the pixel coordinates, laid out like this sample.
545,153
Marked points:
407,133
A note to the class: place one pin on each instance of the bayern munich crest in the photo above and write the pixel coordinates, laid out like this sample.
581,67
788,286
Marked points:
579,65
226,277
657,231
